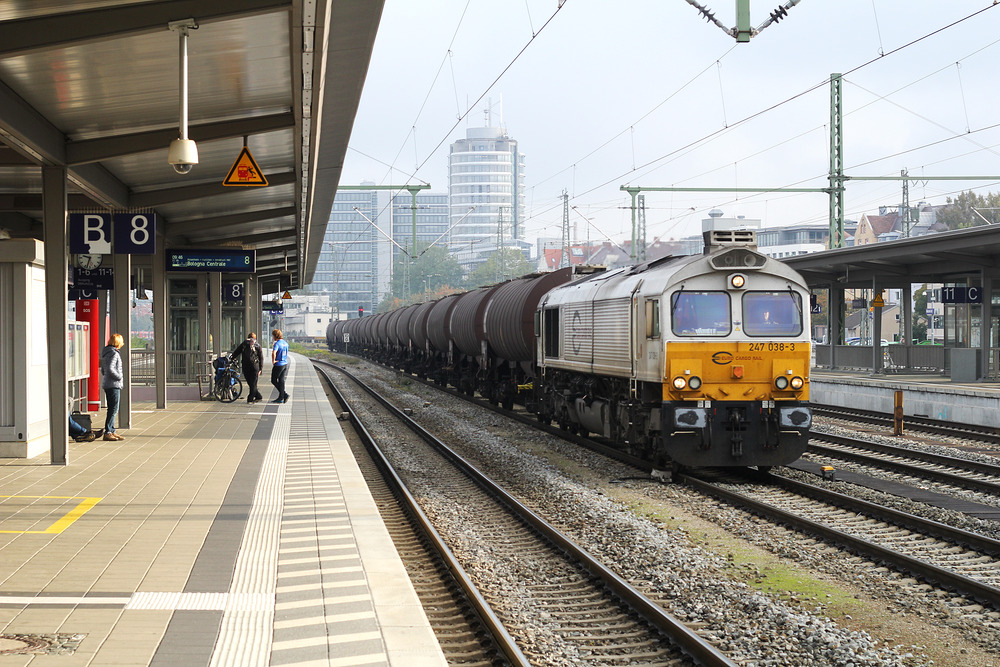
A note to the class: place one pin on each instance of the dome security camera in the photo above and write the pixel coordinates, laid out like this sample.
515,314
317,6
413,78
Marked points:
183,155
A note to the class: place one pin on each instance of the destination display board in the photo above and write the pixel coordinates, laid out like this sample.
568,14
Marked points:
222,260
95,279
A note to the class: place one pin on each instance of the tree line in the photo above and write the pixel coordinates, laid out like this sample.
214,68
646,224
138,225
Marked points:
969,209
432,272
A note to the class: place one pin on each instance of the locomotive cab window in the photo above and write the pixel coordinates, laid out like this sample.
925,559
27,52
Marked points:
552,332
700,313
652,318
772,313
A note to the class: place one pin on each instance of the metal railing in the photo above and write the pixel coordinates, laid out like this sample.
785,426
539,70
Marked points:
182,367
895,358
993,364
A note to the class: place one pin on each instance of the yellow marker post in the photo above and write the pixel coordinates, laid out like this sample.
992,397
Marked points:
897,413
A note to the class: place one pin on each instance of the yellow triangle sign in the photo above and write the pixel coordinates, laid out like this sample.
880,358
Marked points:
245,172
286,295
878,302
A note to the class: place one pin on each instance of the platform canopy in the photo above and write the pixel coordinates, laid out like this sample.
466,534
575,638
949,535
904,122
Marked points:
943,257
93,85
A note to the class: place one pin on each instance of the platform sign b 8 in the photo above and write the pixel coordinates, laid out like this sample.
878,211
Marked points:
92,233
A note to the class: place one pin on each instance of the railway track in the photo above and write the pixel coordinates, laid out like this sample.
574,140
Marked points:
961,561
549,594
903,533
914,424
465,629
957,473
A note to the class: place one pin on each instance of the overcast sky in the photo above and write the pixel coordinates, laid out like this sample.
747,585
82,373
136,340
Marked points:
602,94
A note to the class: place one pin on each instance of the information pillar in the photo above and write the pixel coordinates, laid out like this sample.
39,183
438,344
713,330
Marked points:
87,310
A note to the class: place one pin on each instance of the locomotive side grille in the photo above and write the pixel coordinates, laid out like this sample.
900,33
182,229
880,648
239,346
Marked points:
611,337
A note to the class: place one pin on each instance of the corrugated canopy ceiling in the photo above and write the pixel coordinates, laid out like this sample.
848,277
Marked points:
93,85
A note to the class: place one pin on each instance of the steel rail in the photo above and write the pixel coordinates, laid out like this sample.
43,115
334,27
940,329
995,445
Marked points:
903,452
505,643
905,468
946,578
936,529
926,424
686,639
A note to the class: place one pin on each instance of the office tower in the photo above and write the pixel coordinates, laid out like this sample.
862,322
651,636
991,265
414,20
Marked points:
486,195
350,263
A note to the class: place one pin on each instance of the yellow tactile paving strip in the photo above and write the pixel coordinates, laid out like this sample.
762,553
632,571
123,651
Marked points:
153,549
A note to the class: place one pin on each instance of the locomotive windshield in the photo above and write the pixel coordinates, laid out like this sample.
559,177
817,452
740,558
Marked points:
772,313
700,314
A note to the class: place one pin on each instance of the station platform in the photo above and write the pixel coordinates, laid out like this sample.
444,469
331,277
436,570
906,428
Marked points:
928,395
214,534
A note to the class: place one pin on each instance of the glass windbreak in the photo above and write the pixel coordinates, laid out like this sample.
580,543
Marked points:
700,314
772,313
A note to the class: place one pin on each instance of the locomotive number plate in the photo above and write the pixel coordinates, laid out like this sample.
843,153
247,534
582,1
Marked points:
772,346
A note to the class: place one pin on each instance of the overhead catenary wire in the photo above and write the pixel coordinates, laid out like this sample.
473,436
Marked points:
856,109
543,211
777,105
878,30
958,135
490,87
472,106
445,59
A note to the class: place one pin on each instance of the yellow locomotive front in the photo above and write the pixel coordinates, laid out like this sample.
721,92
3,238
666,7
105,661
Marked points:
736,362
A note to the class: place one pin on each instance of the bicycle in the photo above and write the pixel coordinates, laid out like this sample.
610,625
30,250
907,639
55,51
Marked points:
228,385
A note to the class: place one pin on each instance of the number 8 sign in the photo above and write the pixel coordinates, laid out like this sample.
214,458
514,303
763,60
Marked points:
135,233
232,292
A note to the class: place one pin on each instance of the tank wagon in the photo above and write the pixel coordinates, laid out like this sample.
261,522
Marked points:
686,361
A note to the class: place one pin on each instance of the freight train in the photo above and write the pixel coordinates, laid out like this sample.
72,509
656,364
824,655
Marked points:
688,361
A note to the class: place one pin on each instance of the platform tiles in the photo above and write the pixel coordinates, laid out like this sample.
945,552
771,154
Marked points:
213,535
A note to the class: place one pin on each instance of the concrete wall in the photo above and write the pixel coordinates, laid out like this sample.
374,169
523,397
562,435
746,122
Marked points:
956,403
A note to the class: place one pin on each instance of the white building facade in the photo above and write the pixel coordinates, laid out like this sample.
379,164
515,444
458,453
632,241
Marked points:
486,195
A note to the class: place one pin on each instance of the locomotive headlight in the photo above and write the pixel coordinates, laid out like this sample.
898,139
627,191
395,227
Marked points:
797,382
694,382
781,382
737,280
679,383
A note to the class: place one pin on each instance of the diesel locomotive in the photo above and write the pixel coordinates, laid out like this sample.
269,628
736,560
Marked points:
688,361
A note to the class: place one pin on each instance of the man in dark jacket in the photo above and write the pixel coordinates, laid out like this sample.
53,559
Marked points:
252,363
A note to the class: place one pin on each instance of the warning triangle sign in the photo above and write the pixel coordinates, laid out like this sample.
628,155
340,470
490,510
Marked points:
286,295
245,172
878,301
